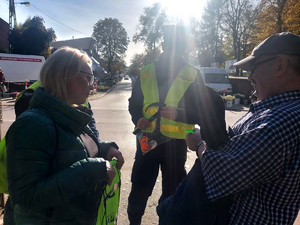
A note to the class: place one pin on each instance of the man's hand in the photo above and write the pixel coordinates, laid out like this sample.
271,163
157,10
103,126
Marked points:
192,139
110,172
115,153
143,123
169,112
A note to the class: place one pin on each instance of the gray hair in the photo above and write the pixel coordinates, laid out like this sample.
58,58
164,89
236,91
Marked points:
63,64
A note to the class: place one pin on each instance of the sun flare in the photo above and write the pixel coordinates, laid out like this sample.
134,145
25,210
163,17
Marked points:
183,10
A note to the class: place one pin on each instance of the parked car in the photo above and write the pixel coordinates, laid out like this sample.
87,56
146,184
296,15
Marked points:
216,78
126,77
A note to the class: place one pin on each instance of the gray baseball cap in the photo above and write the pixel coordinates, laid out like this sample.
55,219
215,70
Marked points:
280,43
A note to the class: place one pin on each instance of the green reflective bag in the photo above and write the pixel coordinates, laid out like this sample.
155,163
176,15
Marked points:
108,209
3,179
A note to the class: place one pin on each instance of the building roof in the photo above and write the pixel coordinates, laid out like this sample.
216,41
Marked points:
80,43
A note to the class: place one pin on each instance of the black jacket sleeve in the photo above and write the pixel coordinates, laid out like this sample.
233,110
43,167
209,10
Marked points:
203,106
136,102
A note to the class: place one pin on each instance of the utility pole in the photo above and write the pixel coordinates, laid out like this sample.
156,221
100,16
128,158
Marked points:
12,14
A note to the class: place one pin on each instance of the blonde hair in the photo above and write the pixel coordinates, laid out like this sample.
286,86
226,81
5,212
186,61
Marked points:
63,64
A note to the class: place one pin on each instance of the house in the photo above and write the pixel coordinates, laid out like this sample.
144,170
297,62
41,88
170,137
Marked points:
4,34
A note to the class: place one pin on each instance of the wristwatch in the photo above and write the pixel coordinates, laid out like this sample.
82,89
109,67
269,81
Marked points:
198,146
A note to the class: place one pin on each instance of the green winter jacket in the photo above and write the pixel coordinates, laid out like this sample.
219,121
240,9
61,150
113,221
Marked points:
51,178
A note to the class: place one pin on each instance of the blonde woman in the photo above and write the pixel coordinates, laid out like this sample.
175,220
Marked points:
55,164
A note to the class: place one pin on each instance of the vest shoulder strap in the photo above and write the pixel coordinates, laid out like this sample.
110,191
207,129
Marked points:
149,84
186,76
148,70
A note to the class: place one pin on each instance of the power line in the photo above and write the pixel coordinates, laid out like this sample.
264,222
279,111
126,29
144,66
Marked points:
56,20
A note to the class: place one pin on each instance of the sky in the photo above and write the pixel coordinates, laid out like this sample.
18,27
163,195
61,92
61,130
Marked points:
76,18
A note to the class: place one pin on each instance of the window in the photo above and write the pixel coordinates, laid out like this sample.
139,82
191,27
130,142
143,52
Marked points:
216,78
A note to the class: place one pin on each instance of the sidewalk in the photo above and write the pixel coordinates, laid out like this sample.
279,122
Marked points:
97,94
237,107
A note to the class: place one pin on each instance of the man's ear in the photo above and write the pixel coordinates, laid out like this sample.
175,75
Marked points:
282,65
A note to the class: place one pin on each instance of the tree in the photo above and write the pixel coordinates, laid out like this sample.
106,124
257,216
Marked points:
150,24
208,35
238,18
270,18
137,62
278,16
119,66
32,38
111,40
291,16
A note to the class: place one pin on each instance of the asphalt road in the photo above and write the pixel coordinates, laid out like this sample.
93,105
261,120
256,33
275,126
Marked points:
114,124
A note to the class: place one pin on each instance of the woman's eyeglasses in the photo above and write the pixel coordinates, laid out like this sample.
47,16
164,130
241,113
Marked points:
89,76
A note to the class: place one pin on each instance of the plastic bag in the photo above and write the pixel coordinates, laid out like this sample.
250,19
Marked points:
109,205
3,177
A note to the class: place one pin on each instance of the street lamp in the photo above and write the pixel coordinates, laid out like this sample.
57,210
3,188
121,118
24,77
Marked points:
12,12
23,3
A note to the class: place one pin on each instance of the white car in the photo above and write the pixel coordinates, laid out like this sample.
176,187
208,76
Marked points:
217,79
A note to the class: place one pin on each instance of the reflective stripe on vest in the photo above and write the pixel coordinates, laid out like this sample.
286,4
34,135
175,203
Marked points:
184,79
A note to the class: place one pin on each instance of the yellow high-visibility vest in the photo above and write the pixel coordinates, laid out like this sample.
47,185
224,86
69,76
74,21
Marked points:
185,77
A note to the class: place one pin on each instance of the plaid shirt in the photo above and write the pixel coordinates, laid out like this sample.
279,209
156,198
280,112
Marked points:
261,163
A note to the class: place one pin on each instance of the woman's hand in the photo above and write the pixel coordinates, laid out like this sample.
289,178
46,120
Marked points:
110,172
115,153
143,123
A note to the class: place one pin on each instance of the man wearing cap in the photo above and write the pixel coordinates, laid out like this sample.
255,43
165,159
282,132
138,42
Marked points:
261,162
177,89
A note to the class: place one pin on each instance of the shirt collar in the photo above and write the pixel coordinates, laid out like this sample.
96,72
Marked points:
274,100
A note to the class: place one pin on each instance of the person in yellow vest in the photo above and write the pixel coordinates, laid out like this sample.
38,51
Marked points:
174,91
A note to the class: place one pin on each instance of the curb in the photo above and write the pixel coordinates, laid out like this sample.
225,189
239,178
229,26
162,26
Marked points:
237,108
8,101
100,94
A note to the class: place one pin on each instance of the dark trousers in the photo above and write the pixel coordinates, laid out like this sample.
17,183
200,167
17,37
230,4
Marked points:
170,157
190,204
8,214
